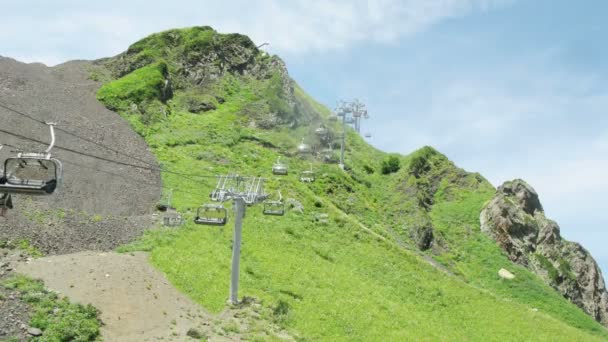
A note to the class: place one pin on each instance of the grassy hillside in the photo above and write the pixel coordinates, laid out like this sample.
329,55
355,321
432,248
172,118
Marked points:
353,264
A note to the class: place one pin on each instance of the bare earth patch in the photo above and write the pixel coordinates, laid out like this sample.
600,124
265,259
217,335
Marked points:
137,303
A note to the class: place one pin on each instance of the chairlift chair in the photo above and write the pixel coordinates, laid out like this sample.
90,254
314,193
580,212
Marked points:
279,168
172,218
327,154
307,176
321,131
165,201
32,173
303,147
212,215
275,208
367,135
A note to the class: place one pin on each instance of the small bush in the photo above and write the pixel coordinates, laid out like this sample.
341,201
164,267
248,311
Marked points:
281,309
390,165
196,334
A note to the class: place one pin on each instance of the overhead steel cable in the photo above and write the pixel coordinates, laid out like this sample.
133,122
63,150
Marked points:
6,107
156,169
131,179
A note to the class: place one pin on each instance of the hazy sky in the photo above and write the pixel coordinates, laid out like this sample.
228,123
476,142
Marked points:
508,88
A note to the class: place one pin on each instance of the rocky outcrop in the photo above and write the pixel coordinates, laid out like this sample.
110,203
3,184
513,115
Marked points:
516,220
199,58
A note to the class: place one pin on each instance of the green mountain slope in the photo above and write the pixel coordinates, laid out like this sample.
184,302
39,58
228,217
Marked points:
372,256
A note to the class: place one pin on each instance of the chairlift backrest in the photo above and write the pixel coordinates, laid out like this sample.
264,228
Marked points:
211,214
172,218
32,173
321,131
276,208
303,147
307,176
279,168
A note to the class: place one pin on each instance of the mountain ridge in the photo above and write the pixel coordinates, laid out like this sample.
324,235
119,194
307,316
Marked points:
317,273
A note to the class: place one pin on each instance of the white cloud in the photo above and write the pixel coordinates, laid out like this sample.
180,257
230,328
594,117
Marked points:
61,30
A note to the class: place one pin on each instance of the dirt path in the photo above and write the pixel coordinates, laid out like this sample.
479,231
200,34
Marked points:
137,303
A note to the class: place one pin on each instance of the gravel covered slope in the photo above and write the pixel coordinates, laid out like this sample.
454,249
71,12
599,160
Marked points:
112,202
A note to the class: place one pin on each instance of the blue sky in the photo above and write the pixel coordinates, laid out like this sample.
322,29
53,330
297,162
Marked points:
508,88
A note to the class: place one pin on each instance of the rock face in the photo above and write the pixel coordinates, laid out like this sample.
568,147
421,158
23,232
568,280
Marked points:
516,220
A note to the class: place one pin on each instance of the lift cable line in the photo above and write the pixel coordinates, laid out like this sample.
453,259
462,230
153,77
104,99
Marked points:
107,159
130,179
6,107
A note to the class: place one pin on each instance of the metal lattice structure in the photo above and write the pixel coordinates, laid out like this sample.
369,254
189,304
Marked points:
351,113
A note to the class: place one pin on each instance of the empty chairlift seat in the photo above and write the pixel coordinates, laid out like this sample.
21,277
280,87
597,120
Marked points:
31,174
34,173
211,214
276,208
303,148
279,168
172,218
307,176
321,131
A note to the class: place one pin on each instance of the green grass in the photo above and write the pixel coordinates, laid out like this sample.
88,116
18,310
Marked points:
59,319
145,84
357,276
477,259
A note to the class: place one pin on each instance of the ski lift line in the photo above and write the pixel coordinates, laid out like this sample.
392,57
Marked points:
92,168
106,159
133,179
138,181
4,106
110,173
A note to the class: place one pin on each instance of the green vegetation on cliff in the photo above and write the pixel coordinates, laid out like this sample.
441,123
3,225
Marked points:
354,263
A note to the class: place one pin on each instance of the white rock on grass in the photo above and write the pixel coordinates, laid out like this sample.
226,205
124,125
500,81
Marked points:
504,274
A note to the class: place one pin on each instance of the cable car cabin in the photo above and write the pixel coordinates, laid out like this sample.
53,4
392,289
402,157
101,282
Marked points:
211,214
307,176
276,208
31,174
279,168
